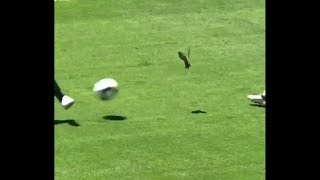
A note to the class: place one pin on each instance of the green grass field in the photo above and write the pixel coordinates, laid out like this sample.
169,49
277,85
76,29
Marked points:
136,42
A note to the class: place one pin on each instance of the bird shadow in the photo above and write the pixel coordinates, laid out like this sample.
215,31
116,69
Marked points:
114,118
198,112
71,122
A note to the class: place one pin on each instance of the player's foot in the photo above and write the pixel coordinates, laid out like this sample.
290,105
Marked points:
67,102
259,99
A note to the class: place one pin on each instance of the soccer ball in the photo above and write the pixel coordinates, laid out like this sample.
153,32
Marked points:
106,89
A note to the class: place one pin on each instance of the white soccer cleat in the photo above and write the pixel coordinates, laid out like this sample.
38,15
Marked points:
67,102
257,99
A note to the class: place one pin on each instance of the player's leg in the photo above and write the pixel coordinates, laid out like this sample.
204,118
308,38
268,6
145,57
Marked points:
66,101
57,91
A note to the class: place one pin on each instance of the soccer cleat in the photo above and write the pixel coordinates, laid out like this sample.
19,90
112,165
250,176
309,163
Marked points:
67,102
263,95
257,99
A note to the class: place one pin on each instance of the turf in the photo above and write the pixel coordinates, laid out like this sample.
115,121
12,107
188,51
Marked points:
167,122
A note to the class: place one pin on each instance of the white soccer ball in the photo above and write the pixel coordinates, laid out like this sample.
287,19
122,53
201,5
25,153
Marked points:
106,89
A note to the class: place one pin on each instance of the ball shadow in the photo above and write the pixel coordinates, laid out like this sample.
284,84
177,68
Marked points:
198,112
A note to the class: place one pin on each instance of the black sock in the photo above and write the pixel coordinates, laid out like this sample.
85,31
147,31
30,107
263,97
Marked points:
57,91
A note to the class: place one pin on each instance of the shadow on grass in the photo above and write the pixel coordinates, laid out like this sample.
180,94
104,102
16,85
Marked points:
257,105
198,112
71,122
114,118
